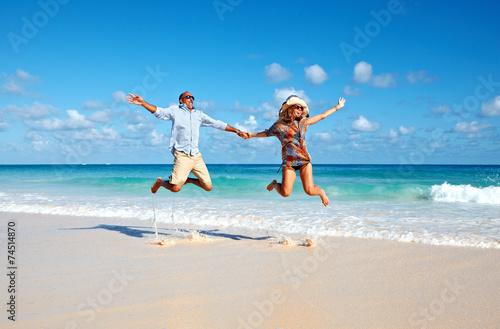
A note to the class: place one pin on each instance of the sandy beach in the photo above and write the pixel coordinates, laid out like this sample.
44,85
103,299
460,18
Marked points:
79,272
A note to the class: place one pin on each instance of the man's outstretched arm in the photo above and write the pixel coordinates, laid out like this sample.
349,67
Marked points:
137,100
210,122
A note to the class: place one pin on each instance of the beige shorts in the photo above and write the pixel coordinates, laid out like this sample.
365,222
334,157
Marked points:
184,164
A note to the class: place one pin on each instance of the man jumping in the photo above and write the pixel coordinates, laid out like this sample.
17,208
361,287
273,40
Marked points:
186,123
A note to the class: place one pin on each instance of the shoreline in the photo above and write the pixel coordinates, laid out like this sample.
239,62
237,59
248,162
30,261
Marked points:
439,206
89,272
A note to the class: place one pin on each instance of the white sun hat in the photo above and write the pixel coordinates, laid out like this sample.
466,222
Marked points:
294,100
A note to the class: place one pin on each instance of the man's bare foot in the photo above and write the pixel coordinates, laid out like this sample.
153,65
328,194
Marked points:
156,185
324,198
271,186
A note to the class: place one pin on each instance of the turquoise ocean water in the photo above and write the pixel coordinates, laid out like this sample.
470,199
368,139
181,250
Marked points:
435,204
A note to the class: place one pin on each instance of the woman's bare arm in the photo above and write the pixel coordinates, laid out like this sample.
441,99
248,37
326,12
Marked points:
317,118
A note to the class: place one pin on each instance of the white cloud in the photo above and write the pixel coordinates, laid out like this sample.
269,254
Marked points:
25,76
101,116
363,73
37,142
349,91
437,145
4,126
474,136
254,56
281,94
441,109
17,83
423,76
269,110
406,131
110,133
155,139
473,127
138,127
243,108
362,124
207,106
139,130
392,134
35,111
384,80
249,125
33,135
95,135
55,124
74,121
275,73
355,145
135,117
92,105
119,96
271,115
315,74
491,108
324,137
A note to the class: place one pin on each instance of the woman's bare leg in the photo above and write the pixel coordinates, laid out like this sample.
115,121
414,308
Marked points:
306,175
285,187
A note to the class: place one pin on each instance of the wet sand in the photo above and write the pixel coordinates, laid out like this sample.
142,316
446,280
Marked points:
82,272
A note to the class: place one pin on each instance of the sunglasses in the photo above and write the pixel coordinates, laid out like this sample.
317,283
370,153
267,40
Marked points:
189,97
298,107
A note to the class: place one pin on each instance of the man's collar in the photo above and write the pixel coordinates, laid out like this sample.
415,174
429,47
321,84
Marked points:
184,107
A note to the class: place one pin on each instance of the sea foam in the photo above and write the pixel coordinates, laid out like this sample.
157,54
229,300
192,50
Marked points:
438,223
441,205
465,193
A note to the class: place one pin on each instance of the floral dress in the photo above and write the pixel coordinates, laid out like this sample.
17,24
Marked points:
293,141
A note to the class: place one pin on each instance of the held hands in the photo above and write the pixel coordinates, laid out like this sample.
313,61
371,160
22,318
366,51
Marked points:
244,135
341,102
135,99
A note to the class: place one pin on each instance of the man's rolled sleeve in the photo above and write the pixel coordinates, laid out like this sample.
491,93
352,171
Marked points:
207,121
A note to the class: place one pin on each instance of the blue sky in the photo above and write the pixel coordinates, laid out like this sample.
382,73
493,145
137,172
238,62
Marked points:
421,79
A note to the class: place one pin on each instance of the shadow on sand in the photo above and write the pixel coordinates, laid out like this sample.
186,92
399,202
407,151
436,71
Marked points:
141,232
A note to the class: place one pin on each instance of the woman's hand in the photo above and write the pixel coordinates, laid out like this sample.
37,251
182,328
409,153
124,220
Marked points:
341,102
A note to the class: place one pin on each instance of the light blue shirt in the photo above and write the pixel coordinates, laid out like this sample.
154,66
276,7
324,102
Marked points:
186,126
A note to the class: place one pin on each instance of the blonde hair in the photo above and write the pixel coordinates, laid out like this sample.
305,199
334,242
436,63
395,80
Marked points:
291,100
287,117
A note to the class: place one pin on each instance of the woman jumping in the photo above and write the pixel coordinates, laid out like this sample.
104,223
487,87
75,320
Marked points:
291,129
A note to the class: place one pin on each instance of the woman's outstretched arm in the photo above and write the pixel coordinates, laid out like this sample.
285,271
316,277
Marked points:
261,134
316,118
